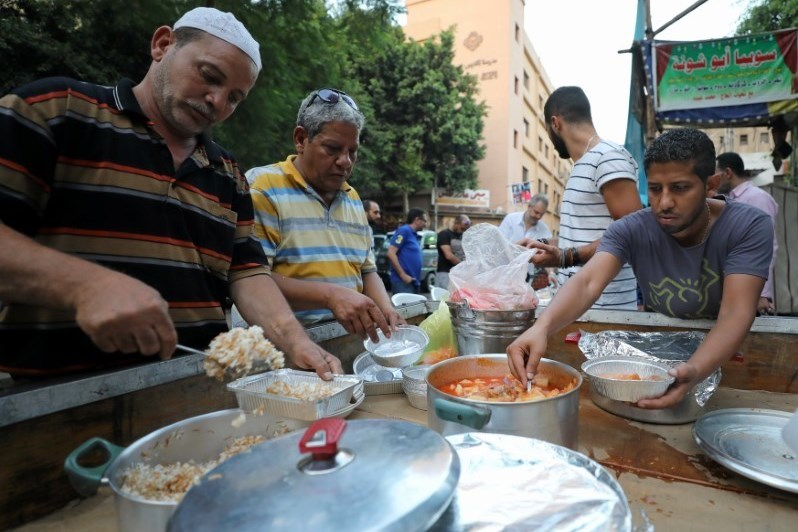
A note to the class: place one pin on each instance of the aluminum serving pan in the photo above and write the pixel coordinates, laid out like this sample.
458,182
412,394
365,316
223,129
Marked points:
375,377
608,376
252,395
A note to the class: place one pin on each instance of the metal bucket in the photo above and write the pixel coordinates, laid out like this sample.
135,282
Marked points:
487,331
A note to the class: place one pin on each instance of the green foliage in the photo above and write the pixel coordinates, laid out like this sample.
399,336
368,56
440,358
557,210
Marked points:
86,40
769,15
425,126
421,118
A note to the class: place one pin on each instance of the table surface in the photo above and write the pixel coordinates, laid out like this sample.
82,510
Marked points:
664,474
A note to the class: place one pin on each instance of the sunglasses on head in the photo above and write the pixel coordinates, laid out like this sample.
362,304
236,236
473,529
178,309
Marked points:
333,96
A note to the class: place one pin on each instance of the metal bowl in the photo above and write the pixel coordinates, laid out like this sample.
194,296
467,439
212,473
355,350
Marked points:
403,348
605,374
414,384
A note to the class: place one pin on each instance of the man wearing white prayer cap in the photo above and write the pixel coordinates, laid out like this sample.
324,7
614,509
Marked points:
125,227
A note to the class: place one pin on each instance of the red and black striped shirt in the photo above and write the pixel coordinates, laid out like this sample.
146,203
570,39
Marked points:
83,171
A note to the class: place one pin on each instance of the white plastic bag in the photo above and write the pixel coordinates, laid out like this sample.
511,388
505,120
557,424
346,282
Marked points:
493,274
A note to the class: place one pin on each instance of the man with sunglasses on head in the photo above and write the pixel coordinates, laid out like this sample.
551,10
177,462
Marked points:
312,225
125,227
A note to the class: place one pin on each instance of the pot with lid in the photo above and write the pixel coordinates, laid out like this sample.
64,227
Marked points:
337,475
198,439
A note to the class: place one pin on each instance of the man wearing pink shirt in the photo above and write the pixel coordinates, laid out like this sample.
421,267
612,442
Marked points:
735,184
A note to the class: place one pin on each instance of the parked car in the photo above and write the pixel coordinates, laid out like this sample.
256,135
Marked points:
428,241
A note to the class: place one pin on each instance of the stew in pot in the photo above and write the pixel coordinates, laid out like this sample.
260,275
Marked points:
506,389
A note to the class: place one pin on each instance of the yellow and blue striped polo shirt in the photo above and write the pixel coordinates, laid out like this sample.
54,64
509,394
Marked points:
303,237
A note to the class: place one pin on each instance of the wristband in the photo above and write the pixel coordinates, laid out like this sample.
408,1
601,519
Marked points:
577,259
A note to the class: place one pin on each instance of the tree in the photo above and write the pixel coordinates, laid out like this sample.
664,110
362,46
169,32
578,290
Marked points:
422,121
769,15
83,40
425,125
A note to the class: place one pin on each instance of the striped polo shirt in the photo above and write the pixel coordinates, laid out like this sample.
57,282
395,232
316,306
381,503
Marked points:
305,238
584,216
83,171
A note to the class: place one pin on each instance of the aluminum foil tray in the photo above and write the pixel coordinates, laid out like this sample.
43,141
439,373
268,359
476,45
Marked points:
603,373
516,483
367,369
252,395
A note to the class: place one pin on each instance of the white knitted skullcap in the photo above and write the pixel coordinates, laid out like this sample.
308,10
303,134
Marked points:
224,26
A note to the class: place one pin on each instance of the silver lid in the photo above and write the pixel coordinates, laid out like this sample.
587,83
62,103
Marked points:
748,441
387,475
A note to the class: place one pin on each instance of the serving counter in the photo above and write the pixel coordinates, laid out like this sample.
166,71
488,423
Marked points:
663,473
661,469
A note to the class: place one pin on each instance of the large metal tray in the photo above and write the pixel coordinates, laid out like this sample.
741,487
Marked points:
252,395
514,483
748,441
367,369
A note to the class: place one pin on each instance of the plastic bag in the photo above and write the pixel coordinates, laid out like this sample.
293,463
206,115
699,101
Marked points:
442,341
493,275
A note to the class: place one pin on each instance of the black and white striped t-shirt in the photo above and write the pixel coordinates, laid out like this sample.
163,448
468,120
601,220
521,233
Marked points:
584,215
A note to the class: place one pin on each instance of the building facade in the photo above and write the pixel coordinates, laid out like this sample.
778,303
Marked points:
491,44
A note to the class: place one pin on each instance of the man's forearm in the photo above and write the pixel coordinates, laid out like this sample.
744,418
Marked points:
737,313
34,274
374,288
303,294
260,302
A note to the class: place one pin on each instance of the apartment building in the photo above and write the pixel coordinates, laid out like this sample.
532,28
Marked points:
490,43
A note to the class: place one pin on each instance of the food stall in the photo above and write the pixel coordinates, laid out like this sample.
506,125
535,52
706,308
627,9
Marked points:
663,472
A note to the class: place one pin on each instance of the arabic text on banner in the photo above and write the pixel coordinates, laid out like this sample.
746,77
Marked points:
724,72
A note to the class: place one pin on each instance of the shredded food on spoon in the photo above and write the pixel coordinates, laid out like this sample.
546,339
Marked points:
237,352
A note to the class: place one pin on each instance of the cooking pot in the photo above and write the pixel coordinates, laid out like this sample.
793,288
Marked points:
201,439
371,474
555,419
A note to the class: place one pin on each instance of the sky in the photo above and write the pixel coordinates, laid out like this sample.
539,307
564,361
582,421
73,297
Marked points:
578,42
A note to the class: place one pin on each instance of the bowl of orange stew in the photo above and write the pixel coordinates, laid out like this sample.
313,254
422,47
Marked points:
627,378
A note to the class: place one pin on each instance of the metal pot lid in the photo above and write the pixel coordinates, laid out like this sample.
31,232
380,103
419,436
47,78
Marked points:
364,475
748,441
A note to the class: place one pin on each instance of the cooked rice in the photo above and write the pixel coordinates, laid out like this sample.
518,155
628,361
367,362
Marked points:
237,352
306,391
170,482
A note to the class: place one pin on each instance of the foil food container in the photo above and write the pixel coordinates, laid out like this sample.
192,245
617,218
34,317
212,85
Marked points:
377,380
604,373
516,483
414,384
252,395
671,348
403,348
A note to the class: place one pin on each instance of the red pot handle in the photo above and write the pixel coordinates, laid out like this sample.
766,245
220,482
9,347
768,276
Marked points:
321,438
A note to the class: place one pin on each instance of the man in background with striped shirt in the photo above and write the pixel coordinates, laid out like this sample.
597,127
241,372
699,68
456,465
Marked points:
602,187
125,227
312,225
